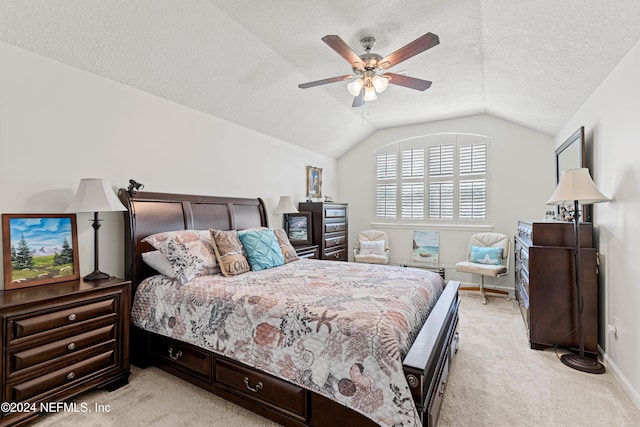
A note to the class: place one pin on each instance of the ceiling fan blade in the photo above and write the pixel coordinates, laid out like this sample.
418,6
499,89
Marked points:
410,82
343,49
325,81
358,101
420,44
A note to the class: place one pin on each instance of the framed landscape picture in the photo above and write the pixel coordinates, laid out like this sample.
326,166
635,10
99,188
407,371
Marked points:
298,228
426,247
39,249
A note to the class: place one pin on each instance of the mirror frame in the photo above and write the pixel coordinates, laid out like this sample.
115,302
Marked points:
576,138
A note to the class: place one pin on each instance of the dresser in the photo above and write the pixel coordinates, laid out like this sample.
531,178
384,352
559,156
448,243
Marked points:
60,340
329,228
544,284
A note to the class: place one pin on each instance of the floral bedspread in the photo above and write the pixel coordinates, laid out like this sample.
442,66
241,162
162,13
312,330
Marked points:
339,329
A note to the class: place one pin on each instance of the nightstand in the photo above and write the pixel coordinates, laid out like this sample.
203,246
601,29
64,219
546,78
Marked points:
62,339
311,251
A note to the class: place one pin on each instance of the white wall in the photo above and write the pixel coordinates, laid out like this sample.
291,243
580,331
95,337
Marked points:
59,124
612,126
522,177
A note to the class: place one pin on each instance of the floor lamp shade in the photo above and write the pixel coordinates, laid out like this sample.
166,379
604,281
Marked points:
577,186
95,195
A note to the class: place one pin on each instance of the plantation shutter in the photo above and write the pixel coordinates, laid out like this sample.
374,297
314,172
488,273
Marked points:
473,182
386,172
441,168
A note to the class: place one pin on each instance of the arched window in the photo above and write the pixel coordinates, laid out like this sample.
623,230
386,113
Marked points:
434,178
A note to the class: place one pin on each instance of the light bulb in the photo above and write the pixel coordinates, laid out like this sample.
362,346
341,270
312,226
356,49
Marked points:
355,87
380,83
370,93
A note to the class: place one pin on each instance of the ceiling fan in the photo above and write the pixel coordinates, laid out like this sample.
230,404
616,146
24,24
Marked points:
370,75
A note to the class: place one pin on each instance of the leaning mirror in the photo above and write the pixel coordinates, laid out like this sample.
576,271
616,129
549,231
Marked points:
570,155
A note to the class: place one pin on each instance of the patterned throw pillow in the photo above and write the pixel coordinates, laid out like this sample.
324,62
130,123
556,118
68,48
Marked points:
491,256
229,252
159,262
262,249
288,252
372,247
189,252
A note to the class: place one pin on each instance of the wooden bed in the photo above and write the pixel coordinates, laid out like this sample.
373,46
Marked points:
426,365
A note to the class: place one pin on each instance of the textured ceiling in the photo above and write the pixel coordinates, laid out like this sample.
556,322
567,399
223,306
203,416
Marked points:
532,62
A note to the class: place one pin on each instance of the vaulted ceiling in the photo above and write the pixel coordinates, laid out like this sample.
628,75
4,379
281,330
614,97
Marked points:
532,62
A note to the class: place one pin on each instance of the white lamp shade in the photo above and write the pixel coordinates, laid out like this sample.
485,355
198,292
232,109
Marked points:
355,87
95,195
380,83
576,185
285,206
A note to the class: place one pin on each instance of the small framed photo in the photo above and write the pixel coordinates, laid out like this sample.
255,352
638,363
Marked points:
39,249
314,182
298,228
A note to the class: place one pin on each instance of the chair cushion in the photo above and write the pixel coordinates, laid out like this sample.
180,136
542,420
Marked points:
484,269
372,259
483,255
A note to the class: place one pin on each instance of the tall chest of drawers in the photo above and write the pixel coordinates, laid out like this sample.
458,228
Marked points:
544,282
330,228
60,340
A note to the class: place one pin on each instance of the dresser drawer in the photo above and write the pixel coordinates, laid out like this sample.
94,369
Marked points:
274,392
26,358
22,391
337,240
333,227
335,212
182,356
337,254
44,321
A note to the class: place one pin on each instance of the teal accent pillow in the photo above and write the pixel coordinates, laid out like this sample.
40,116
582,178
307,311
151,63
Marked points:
262,248
491,256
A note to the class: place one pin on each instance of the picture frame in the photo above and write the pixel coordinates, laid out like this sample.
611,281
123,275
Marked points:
426,247
39,249
298,228
314,182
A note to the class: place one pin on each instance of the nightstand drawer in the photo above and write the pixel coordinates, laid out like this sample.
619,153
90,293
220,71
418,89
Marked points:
23,391
35,323
26,358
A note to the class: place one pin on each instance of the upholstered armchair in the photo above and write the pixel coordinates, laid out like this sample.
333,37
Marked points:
372,247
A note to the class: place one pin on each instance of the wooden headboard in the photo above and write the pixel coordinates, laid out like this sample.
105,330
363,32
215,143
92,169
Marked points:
149,213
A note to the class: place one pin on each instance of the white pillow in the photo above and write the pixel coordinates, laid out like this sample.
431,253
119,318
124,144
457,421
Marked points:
159,262
374,247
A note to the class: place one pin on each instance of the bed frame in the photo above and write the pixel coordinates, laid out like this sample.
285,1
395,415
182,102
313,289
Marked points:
426,366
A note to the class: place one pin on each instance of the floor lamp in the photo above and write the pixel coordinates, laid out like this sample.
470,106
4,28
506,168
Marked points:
577,186
95,195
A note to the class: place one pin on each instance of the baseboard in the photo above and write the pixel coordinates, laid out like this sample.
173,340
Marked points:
621,379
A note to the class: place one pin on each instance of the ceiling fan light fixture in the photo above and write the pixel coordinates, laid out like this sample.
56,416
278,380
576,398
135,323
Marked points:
370,93
380,83
355,87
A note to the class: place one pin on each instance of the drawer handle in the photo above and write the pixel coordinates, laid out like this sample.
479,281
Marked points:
443,387
258,386
336,255
72,317
71,346
70,375
177,356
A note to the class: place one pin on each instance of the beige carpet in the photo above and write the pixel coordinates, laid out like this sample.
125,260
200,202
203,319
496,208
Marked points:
495,380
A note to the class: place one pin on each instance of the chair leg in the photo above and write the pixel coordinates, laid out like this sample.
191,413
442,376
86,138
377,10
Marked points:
483,291
482,294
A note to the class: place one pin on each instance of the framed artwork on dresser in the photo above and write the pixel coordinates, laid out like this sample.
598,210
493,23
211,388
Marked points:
298,228
39,249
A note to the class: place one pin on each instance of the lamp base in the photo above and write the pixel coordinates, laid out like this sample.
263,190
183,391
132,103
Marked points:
96,275
582,363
